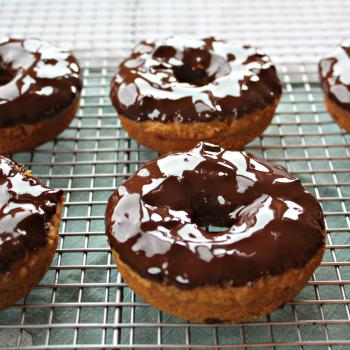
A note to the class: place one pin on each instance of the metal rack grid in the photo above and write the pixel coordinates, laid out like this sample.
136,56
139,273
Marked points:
82,303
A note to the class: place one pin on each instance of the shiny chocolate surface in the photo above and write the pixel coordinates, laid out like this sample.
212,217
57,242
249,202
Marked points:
26,207
155,219
334,73
186,79
37,81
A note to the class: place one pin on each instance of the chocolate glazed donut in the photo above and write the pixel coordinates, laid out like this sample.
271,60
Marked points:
334,73
170,94
30,215
40,88
272,241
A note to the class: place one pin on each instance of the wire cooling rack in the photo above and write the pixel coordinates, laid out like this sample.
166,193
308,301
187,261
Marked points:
83,303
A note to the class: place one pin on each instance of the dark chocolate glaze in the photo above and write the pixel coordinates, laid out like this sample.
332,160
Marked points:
26,207
334,73
186,79
154,219
37,81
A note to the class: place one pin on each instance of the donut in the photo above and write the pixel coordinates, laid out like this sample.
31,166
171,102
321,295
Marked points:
268,235
40,89
334,75
30,215
171,94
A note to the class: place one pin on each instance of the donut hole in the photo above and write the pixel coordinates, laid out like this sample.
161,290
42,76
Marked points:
194,68
7,72
216,221
195,196
211,221
5,76
200,67
212,224
216,229
194,75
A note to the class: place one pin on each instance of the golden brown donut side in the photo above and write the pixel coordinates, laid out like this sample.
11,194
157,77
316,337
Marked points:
231,134
25,137
27,272
340,115
222,304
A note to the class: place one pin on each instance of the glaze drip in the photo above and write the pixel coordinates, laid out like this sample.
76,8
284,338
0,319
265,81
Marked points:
26,207
187,79
154,219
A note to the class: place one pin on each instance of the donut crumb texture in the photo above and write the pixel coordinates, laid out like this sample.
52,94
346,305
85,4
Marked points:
231,134
224,304
339,114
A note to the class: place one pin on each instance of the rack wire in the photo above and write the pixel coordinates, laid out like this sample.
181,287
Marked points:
82,302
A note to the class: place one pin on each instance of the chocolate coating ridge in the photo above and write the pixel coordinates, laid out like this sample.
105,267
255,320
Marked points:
37,81
186,79
26,207
334,74
154,220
